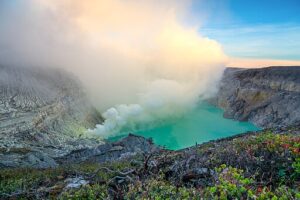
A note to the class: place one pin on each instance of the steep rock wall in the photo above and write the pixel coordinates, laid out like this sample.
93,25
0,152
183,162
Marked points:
43,114
268,97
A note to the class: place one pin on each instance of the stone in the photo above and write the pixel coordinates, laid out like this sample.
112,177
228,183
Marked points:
73,183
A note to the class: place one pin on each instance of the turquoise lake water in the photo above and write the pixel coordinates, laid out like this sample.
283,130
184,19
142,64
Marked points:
204,123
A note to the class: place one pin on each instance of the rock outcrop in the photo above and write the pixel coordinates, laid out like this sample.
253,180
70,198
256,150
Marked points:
268,97
127,147
43,115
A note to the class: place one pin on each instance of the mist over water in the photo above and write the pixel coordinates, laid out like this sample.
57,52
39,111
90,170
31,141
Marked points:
142,62
202,124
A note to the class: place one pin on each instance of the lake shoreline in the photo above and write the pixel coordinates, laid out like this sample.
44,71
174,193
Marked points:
198,126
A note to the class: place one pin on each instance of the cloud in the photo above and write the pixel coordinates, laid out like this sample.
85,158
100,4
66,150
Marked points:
136,58
268,41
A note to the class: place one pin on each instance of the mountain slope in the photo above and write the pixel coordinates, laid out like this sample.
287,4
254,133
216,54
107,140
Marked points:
42,114
268,97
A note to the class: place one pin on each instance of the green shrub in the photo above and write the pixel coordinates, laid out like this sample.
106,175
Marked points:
89,192
231,184
160,190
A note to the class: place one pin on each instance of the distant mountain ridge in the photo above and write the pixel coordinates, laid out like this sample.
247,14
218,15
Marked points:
268,97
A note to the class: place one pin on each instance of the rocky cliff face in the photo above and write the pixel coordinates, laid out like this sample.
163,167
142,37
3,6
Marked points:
43,114
268,97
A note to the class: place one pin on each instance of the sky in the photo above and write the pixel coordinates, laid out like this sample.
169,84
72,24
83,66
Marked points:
265,30
251,32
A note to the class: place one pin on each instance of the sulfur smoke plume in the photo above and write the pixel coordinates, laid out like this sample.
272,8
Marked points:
137,58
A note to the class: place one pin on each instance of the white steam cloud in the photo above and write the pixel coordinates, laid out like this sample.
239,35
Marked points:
136,58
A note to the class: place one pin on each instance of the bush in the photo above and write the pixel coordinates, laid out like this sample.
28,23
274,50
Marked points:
89,192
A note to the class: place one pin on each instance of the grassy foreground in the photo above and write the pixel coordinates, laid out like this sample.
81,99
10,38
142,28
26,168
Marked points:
264,165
